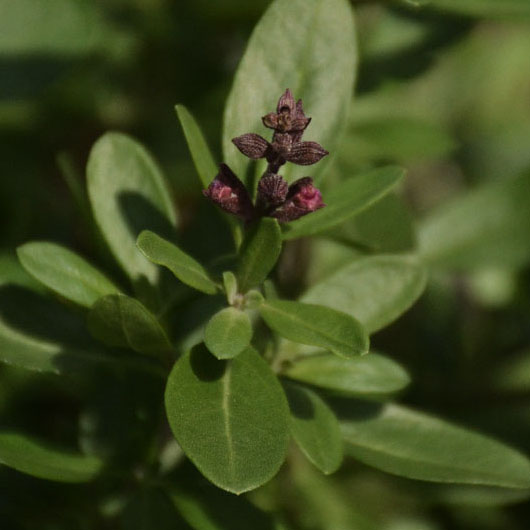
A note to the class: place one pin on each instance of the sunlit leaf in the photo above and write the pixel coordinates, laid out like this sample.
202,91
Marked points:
229,417
36,458
375,290
128,194
316,325
65,272
308,46
416,445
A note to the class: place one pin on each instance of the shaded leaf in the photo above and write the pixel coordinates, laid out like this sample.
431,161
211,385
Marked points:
65,273
503,9
416,445
316,325
345,200
128,194
199,150
307,46
183,266
119,320
375,290
229,417
208,508
35,458
370,376
259,253
315,428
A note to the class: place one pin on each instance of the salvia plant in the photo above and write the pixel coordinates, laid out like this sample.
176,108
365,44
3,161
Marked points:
219,373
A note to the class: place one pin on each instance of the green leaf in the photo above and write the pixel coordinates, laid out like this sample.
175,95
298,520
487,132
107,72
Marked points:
65,273
503,9
375,290
492,223
229,417
316,325
208,508
371,376
228,333
259,253
51,27
128,194
199,150
183,266
230,286
31,456
308,46
345,200
315,428
416,445
119,320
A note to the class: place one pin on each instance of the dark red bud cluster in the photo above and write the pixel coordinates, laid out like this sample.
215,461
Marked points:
275,197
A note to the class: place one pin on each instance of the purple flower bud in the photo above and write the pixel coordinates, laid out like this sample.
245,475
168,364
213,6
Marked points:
272,190
302,198
229,193
252,145
305,153
286,103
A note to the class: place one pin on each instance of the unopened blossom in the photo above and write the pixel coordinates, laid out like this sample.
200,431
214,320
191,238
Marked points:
230,194
302,198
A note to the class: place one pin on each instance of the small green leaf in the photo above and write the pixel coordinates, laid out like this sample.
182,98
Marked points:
319,68
31,456
316,325
315,428
230,285
229,417
199,150
259,253
375,290
228,333
416,445
345,200
119,320
370,376
65,273
128,194
183,266
253,299
492,223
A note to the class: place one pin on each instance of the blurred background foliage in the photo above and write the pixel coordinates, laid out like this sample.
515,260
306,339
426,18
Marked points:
443,89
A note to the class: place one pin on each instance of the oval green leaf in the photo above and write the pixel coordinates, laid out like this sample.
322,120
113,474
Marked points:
119,320
315,428
308,46
183,266
65,272
31,456
346,200
416,445
371,376
228,333
229,417
128,194
316,325
259,253
375,290
199,150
